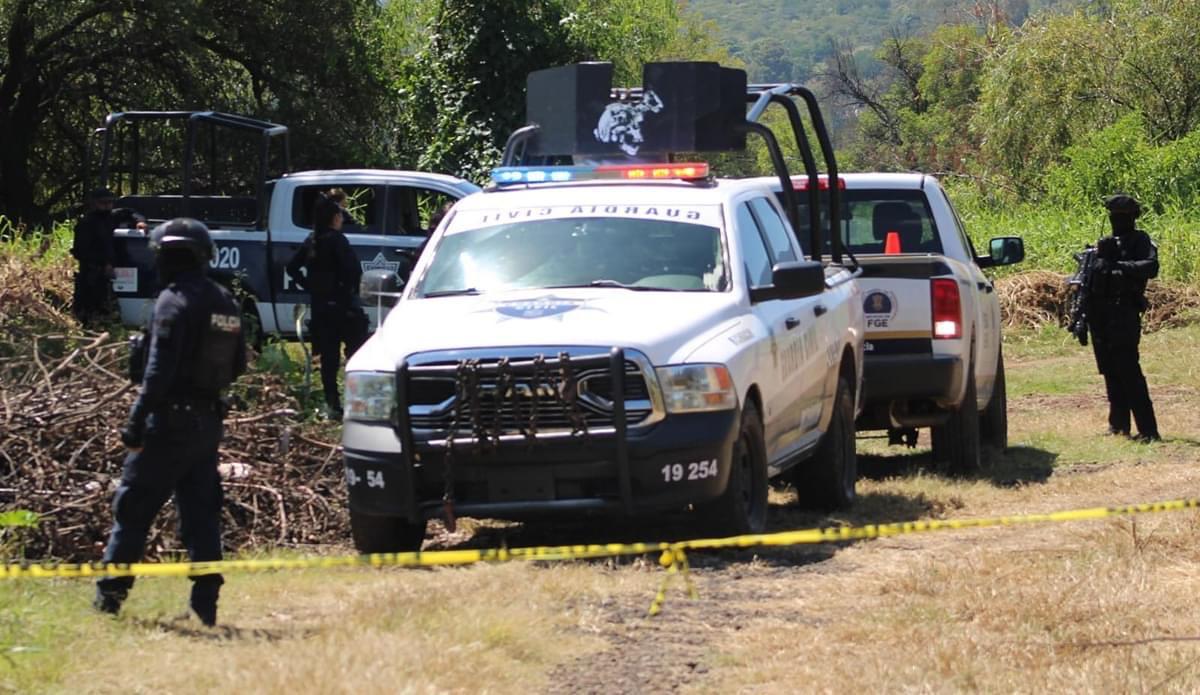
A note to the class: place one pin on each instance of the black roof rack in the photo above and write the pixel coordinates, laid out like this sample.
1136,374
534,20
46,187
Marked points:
191,121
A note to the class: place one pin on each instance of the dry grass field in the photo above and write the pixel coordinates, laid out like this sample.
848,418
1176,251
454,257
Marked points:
1101,606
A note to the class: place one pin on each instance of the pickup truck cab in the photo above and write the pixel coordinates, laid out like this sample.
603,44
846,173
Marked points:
256,227
934,353
605,339
389,221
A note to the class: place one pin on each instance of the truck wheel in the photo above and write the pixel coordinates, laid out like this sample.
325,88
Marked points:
742,508
827,480
385,534
956,443
993,424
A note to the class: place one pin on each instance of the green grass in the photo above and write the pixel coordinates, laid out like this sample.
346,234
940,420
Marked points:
38,248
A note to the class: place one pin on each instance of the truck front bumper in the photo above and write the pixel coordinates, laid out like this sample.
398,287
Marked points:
669,466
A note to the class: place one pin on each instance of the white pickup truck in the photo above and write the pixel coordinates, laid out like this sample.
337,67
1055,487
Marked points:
612,339
933,350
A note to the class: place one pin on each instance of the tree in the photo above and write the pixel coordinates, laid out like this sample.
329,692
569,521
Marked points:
1062,78
64,64
464,92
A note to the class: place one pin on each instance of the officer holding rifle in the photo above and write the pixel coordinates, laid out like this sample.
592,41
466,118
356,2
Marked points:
1116,299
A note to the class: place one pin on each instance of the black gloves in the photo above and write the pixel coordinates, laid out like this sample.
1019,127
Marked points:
1107,249
133,435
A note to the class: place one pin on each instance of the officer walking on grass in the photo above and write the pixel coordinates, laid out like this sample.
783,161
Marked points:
1124,262
195,350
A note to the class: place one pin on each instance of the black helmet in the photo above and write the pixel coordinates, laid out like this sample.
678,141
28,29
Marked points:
185,234
1121,204
98,195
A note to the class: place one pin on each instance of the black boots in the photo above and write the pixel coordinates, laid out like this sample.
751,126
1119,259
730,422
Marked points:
108,602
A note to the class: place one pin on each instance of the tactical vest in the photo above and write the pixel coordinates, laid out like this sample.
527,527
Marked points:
216,352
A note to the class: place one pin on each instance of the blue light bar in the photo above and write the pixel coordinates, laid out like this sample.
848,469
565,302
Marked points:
504,176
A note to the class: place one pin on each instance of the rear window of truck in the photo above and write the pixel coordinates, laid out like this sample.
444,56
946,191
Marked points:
869,215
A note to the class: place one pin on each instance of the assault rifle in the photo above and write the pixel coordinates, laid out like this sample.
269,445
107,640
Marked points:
1080,286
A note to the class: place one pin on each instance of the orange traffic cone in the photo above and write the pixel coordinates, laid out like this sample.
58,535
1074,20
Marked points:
892,244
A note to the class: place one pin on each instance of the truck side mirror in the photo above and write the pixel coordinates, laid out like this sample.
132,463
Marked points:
1004,250
797,279
381,287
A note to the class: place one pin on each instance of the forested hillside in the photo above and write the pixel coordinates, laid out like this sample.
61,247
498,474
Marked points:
786,40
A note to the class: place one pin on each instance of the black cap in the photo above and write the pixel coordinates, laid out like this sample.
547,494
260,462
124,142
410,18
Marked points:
1121,204
98,194
185,233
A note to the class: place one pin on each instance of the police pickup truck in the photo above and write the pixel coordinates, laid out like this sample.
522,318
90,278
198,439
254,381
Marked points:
609,338
933,350
256,230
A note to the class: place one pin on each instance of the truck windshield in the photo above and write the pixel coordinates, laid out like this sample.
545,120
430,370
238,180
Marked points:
625,253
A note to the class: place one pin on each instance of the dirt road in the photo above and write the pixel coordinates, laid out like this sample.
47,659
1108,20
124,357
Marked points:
831,619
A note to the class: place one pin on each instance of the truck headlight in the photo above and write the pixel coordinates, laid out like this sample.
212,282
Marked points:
692,388
370,396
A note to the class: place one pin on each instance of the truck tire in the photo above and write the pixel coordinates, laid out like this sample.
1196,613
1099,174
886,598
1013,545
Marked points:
993,423
385,534
742,508
956,443
827,480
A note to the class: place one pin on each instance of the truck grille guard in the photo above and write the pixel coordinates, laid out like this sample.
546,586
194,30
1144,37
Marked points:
489,401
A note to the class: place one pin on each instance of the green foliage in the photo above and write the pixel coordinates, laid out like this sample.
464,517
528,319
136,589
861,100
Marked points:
1060,79
12,524
18,518
626,33
1122,158
65,64
462,90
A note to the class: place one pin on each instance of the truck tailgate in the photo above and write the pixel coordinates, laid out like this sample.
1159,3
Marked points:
896,301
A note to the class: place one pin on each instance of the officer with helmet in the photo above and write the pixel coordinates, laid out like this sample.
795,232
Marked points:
194,350
1124,262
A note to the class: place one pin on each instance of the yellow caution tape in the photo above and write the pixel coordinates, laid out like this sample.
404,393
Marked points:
672,553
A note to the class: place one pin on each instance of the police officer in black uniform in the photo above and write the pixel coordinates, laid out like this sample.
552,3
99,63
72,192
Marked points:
92,246
195,350
1124,262
331,277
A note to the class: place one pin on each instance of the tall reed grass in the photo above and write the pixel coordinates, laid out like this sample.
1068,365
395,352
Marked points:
1053,234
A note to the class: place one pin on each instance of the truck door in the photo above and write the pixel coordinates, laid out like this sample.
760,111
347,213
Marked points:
777,356
804,342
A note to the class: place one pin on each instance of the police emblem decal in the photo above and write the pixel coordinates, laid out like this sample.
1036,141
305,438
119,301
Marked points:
880,308
621,122
539,307
380,263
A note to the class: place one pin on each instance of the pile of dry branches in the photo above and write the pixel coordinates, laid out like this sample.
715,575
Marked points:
60,455
1039,297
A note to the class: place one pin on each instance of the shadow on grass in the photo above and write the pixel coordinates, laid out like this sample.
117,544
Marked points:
870,508
185,626
1017,466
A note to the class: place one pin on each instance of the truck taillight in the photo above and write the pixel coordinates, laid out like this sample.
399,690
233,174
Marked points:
947,308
